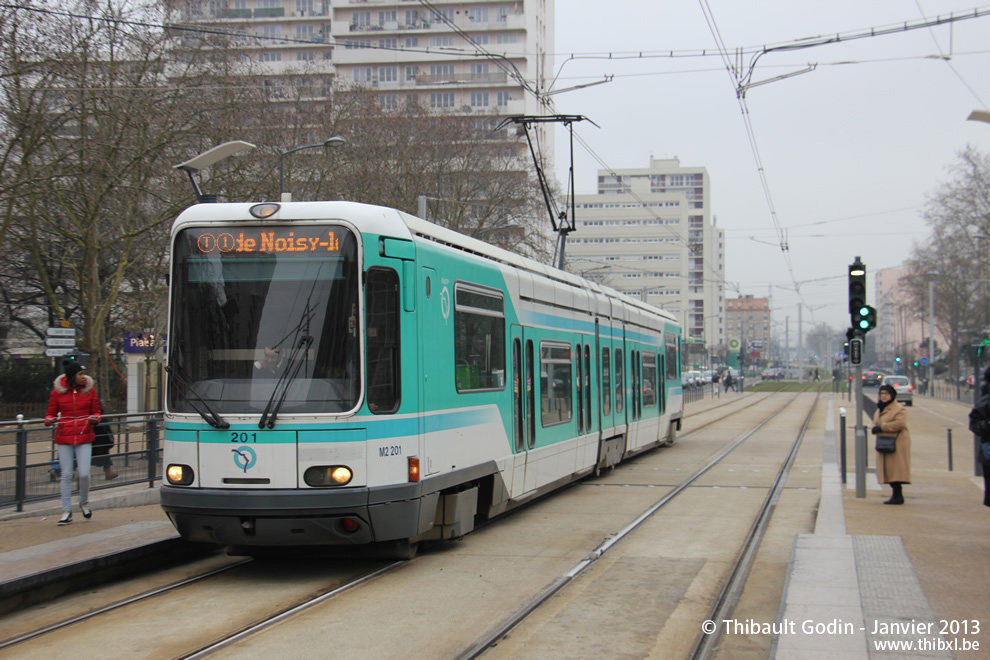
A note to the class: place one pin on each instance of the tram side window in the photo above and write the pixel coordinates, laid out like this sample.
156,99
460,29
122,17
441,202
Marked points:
556,384
673,373
382,342
649,380
479,338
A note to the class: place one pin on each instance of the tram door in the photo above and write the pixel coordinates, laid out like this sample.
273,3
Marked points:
523,390
523,366
434,313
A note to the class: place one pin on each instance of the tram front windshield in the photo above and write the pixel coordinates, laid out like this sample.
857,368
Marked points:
265,312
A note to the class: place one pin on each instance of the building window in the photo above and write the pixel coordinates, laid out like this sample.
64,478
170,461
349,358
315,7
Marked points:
270,56
362,74
361,19
509,38
441,42
388,44
388,102
411,42
304,56
442,71
442,100
386,17
503,98
306,32
388,74
478,14
479,99
411,73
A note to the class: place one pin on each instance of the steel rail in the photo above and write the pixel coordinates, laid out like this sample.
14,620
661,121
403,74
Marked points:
119,604
732,590
289,612
492,636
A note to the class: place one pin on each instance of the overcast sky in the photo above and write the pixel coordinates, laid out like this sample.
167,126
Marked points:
851,150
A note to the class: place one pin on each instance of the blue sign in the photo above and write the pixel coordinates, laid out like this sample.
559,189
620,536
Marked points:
140,342
924,361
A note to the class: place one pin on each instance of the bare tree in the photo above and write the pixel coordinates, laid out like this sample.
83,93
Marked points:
955,257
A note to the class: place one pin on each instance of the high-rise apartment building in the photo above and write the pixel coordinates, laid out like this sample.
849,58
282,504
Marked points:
748,327
649,233
469,56
433,53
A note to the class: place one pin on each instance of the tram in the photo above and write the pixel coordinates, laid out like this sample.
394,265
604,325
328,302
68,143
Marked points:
343,373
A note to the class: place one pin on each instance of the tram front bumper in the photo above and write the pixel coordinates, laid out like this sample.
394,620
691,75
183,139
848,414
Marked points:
296,517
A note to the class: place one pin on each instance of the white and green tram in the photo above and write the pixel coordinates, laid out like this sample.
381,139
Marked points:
341,373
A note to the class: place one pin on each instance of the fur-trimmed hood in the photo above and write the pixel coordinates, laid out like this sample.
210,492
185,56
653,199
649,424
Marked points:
62,387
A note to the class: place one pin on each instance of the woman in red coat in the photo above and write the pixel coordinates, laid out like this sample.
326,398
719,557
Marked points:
76,408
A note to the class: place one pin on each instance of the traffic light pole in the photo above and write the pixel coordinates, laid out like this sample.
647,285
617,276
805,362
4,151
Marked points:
859,431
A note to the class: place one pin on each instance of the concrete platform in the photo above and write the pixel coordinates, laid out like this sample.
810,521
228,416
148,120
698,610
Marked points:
36,553
863,595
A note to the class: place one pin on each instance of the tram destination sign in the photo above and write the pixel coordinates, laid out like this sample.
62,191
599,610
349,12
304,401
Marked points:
296,240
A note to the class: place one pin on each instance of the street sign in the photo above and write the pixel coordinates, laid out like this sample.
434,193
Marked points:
924,362
58,352
856,350
923,352
60,342
61,332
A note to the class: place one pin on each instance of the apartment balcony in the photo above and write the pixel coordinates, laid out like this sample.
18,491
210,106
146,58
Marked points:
511,22
467,79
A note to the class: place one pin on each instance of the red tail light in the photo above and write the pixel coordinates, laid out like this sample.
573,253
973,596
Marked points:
413,468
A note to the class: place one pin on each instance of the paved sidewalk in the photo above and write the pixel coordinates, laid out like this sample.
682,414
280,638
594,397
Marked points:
872,575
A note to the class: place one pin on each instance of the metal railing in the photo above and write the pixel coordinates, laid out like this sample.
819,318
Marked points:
30,470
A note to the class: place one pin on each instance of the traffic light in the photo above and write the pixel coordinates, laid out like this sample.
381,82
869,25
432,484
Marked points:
857,293
75,357
869,318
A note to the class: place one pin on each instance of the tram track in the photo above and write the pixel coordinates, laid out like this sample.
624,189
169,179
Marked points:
116,605
729,593
285,611
22,642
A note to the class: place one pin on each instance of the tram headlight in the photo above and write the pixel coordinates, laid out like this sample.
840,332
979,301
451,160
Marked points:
328,475
179,475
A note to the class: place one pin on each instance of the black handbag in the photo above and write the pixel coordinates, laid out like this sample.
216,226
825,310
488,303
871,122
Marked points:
886,444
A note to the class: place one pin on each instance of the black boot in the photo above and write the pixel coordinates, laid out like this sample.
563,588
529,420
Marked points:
897,497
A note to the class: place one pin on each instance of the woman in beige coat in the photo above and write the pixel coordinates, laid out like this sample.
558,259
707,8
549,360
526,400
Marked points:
893,468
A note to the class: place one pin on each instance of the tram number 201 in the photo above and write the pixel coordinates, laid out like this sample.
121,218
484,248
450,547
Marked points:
243,436
392,450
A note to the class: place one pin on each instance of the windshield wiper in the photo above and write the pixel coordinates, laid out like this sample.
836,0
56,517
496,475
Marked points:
289,373
211,416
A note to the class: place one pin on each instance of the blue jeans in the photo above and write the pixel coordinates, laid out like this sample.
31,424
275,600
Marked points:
82,455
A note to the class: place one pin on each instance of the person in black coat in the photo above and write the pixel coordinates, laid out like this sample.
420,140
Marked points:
979,424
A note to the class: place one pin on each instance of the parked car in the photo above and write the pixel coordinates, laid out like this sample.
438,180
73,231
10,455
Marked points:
902,385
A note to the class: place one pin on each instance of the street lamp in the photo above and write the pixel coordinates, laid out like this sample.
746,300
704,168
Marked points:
335,141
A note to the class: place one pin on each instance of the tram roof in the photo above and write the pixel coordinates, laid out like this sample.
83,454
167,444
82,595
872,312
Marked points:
391,222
